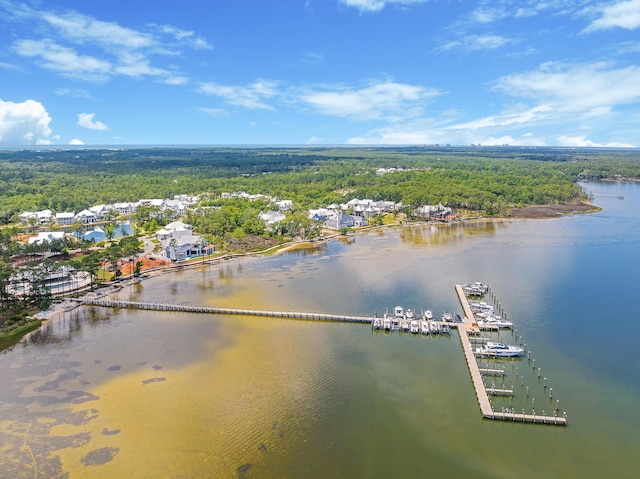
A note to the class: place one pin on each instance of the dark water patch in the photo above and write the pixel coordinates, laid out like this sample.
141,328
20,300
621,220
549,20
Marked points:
262,447
117,367
71,397
55,384
107,432
243,469
156,367
153,380
100,456
142,363
97,361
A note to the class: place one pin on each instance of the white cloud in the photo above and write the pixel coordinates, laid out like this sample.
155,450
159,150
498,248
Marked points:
84,28
75,141
85,120
584,142
508,118
477,43
625,14
186,36
592,88
385,100
74,92
25,123
94,50
252,96
377,5
64,60
215,112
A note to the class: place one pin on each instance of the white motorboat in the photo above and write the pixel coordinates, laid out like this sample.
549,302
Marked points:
433,327
427,315
424,327
387,323
499,350
447,317
409,314
405,324
475,289
398,312
377,323
496,321
415,326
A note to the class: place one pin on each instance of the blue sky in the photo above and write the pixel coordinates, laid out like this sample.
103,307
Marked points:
320,72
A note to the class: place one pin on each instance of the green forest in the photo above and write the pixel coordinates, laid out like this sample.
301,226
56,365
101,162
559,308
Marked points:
489,179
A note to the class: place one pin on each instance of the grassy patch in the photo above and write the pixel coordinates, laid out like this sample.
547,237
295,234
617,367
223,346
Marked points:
14,336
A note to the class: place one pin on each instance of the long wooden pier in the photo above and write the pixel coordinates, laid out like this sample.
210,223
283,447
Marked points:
192,308
476,375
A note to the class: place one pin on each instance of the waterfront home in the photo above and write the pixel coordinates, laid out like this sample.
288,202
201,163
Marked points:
66,218
86,217
179,242
339,221
125,208
100,211
41,217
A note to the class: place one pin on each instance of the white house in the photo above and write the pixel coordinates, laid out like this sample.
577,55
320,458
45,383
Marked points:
179,242
284,205
100,211
86,217
66,218
271,217
46,237
125,208
42,217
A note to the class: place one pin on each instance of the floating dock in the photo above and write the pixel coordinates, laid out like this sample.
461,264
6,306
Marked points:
476,375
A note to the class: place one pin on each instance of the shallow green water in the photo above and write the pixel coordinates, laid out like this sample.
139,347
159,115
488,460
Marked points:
107,393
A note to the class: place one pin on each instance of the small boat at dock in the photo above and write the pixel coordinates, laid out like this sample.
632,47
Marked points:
398,312
427,315
376,323
387,323
424,327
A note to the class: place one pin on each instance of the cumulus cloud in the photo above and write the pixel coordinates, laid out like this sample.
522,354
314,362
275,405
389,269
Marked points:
252,96
625,14
85,120
371,6
25,123
387,100
75,141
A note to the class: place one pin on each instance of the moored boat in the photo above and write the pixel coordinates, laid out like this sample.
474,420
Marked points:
499,350
376,323
415,326
398,312
424,327
427,315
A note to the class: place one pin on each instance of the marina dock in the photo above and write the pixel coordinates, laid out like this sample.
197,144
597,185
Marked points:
476,374
468,332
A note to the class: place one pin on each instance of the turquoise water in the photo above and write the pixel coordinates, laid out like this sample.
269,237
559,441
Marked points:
106,393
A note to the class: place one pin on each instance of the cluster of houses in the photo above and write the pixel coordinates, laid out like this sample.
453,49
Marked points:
355,212
177,206
178,240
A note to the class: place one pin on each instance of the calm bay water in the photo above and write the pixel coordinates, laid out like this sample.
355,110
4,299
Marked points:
105,393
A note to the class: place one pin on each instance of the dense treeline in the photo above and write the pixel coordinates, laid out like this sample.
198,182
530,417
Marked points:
489,179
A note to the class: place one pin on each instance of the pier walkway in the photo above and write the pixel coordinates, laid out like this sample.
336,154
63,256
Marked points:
191,308
476,374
